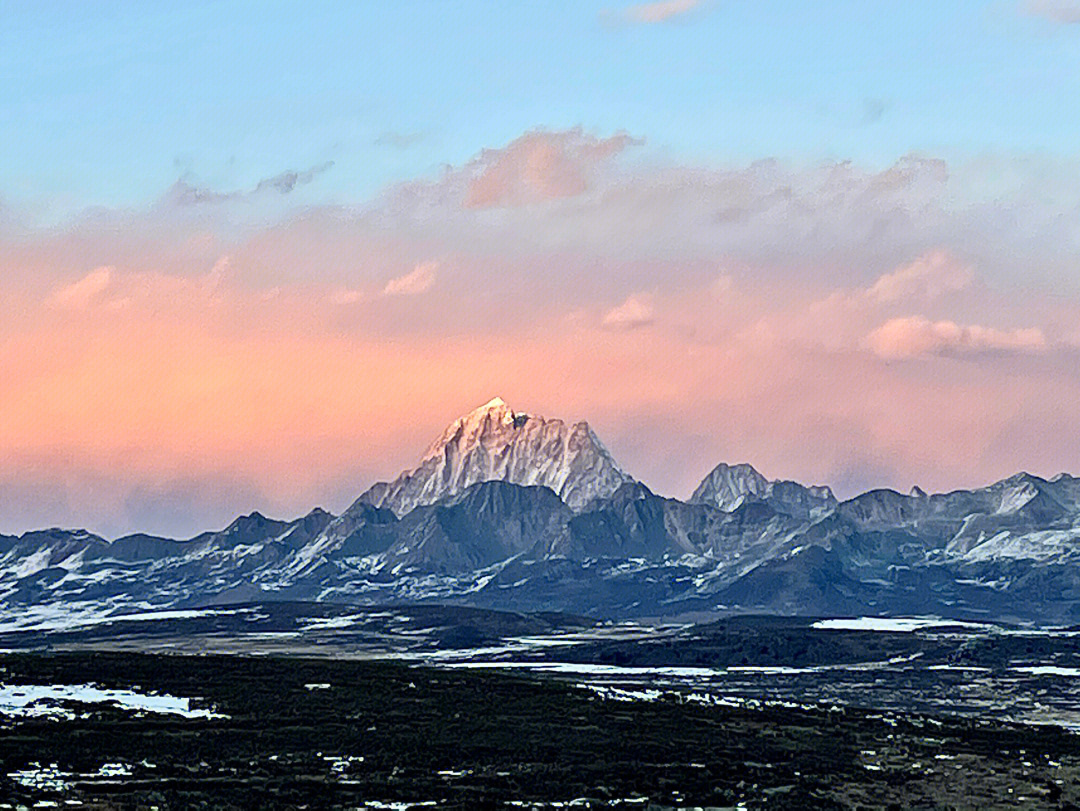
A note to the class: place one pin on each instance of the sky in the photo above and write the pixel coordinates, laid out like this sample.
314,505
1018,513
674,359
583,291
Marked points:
256,255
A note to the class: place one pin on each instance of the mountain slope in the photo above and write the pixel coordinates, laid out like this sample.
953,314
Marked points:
512,511
495,443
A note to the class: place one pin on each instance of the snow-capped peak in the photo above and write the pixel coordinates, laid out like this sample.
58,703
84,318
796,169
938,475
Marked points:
496,443
466,431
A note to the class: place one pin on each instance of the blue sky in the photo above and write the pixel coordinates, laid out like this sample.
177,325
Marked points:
108,103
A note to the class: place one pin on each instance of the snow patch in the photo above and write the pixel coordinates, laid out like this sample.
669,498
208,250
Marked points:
1048,670
42,700
893,624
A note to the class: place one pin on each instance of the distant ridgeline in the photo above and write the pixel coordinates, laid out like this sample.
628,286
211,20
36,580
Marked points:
514,511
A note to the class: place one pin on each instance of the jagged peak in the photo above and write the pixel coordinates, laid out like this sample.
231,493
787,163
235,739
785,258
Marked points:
737,467
254,518
742,476
57,533
493,414
1022,477
496,407
730,486
738,472
746,472
495,442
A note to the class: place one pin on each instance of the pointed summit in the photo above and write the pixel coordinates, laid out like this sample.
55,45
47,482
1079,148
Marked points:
493,414
730,486
496,443
496,406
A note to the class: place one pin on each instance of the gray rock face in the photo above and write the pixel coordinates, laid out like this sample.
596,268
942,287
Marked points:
730,486
495,443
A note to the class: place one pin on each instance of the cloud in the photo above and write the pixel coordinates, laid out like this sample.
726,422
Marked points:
915,336
86,291
837,318
636,311
1064,12
594,199
419,280
230,369
538,166
345,297
186,193
659,11
929,277
287,181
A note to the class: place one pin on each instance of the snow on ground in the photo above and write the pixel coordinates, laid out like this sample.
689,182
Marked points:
1048,670
1043,545
31,564
574,669
330,623
51,778
961,668
584,802
621,671
41,700
894,624
67,617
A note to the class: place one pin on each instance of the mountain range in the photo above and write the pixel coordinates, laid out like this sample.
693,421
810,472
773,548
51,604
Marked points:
519,512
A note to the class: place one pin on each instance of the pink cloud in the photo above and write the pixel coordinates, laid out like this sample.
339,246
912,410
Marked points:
231,370
345,297
419,280
915,336
635,311
539,166
928,277
81,294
